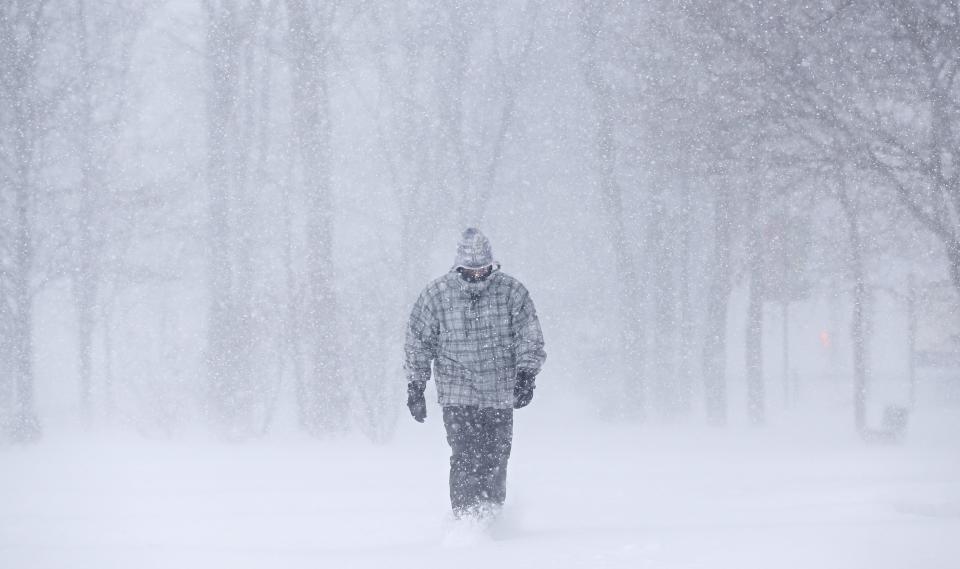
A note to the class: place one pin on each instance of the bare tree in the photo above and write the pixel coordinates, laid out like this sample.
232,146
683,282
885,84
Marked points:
858,325
235,393
869,87
880,74
754,335
322,394
24,32
920,70
475,120
594,30
105,37
404,129
718,296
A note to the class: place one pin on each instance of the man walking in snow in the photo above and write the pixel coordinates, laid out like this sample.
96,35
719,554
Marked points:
479,328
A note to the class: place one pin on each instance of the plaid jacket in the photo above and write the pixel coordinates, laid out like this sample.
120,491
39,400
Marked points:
477,335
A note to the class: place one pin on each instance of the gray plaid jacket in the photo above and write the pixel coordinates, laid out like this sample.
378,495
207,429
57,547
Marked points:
477,335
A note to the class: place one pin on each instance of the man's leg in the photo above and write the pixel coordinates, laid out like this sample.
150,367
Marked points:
496,426
463,437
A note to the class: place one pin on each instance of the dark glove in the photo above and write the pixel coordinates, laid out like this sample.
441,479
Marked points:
416,402
523,390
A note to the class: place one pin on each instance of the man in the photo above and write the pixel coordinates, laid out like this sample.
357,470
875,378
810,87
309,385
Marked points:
479,328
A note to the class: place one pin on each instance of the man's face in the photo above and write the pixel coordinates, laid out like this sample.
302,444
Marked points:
475,275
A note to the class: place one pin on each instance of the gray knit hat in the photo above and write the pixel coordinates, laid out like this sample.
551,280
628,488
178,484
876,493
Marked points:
473,250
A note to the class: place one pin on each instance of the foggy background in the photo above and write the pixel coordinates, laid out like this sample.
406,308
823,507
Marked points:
739,222
216,215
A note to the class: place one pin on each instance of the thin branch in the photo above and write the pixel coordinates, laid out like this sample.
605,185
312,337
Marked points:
935,225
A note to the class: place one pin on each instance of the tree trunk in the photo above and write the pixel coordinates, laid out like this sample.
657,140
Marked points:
859,334
632,339
323,398
953,258
455,162
685,302
663,288
25,424
227,402
109,395
859,327
912,338
718,296
754,342
84,278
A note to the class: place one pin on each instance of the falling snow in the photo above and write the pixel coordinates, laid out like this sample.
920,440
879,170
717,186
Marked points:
740,222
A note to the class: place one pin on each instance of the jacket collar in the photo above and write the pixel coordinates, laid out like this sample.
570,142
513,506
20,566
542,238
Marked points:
478,288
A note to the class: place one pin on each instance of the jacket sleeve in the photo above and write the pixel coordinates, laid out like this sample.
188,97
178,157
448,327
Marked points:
422,336
527,336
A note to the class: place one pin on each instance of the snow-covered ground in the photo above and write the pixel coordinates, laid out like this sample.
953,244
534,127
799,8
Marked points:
581,495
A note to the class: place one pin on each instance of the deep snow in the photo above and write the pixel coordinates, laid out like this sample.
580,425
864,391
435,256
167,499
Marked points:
582,494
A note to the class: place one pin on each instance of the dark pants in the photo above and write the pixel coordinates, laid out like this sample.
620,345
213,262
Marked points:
480,440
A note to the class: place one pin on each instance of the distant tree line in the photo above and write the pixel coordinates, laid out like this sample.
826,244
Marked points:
231,200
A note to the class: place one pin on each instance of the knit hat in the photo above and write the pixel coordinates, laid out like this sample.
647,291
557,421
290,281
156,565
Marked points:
473,250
